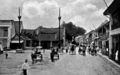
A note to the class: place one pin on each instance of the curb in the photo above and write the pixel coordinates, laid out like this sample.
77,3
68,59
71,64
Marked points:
106,57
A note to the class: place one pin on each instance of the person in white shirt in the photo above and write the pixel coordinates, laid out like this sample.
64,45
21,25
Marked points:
1,48
25,67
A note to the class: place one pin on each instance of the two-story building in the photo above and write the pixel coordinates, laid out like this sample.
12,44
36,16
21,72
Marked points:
6,32
89,37
114,28
102,35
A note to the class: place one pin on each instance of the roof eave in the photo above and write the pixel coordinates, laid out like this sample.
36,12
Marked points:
113,6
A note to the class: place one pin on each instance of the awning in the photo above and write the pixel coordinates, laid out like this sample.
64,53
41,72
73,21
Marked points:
105,36
17,41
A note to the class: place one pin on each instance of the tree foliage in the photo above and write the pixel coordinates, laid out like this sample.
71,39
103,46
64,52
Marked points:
72,30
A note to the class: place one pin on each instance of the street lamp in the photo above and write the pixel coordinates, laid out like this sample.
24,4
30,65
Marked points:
19,17
59,18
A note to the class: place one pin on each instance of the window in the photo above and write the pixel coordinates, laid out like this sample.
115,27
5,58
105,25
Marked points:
5,34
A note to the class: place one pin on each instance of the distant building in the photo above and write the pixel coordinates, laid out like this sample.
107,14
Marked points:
30,38
102,38
6,32
90,37
49,37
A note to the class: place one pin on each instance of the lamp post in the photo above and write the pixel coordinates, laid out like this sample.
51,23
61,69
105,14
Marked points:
19,17
59,18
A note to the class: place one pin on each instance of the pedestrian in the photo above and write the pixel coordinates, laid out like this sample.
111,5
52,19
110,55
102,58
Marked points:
116,56
1,48
52,54
89,49
25,67
95,51
80,49
84,50
66,48
32,57
6,54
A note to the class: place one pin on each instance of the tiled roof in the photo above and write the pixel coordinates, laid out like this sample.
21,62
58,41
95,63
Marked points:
25,38
16,37
29,33
48,34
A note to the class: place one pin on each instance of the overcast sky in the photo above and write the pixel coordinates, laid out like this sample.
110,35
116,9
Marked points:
83,13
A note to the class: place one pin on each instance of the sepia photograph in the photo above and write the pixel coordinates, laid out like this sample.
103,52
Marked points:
59,37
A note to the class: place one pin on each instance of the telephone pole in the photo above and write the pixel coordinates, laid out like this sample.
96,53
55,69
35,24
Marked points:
19,17
59,18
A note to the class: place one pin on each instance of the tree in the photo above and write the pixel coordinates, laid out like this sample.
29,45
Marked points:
72,30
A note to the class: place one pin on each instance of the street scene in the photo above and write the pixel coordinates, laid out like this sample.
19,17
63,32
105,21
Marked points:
66,65
60,37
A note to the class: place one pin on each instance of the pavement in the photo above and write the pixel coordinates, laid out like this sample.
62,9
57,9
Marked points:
108,60
66,65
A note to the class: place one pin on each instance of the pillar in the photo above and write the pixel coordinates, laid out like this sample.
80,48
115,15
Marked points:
110,36
64,41
39,43
51,44
9,37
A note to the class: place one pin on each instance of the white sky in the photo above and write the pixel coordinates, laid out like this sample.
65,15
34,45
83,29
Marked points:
83,13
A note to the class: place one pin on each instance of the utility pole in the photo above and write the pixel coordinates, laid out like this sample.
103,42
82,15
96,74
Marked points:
59,18
19,17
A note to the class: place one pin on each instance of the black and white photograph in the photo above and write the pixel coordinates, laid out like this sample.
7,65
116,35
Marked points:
59,37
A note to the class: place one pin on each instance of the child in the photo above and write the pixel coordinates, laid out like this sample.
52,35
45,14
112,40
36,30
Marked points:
25,67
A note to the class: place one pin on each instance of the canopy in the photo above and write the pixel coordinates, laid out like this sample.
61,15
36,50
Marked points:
39,47
16,41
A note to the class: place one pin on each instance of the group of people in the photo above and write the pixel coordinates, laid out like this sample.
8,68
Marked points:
82,49
93,50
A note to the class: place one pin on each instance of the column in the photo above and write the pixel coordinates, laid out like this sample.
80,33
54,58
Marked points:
51,44
39,43
110,36
24,43
9,37
64,43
